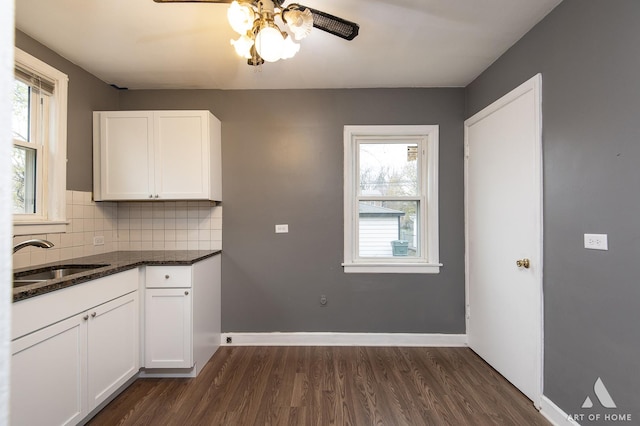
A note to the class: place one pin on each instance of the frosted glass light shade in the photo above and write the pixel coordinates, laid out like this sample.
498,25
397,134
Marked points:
269,44
243,46
240,17
290,48
300,22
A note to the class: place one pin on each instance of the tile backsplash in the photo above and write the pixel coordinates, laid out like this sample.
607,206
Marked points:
163,225
169,225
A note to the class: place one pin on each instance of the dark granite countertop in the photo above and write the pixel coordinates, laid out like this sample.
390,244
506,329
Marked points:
116,261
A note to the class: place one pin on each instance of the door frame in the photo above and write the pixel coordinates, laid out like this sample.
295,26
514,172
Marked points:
534,84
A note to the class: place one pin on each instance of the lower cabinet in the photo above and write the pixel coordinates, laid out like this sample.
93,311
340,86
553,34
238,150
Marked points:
48,375
182,318
168,342
113,350
63,371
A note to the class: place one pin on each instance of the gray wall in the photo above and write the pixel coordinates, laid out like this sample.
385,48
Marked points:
282,157
587,52
86,93
282,154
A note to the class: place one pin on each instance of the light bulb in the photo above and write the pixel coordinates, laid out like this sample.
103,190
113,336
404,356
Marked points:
240,17
243,46
290,48
269,44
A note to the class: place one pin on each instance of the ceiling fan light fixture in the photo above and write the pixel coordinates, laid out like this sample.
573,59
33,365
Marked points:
240,17
289,48
269,43
300,22
243,46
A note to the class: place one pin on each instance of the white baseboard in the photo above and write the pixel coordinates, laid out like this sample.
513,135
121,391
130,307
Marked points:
554,414
344,339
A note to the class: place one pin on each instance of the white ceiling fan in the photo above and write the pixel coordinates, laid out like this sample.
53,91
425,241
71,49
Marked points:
261,37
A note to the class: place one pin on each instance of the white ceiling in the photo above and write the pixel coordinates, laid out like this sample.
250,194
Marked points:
140,44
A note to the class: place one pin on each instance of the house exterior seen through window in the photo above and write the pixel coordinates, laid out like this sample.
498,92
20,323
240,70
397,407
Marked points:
391,213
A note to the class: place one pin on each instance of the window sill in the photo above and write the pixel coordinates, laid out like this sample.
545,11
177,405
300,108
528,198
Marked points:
34,228
392,268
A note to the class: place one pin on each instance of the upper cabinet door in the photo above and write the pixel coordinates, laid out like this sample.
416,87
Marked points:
126,149
182,154
157,155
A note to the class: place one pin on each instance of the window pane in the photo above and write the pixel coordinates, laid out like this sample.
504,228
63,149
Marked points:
20,117
388,169
388,229
24,180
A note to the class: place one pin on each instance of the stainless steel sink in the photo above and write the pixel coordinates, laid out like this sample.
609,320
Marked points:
50,273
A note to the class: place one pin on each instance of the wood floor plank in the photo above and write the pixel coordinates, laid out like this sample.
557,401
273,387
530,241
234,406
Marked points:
328,386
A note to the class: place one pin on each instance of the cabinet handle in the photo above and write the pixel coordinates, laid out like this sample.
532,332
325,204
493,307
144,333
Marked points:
93,315
150,196
86,317
166,277
157,196
186,293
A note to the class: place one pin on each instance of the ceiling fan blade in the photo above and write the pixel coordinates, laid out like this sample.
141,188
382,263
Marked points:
332,24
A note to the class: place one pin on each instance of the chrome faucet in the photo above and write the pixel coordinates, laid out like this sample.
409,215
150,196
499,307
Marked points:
35,243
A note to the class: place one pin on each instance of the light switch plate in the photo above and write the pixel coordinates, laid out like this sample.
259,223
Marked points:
98,240
596,242
282,228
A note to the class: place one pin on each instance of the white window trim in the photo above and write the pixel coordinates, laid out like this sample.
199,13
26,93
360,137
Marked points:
55,181
429,265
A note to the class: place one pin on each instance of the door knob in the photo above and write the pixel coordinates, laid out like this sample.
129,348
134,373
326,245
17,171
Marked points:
523,263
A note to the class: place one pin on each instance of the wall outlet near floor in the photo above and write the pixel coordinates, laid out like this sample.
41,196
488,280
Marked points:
596,242
282,229
98,241
323,300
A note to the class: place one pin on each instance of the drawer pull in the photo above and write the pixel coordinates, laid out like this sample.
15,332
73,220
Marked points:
166,277
86,317
93,315
186,293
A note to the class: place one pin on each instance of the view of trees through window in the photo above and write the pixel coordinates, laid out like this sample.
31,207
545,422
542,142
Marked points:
24,157
389,179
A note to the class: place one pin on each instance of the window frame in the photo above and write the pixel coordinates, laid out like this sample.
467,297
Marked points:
428,261
51,216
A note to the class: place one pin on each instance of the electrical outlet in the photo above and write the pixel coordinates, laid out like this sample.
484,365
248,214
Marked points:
282,229
596,242
323,300
98,241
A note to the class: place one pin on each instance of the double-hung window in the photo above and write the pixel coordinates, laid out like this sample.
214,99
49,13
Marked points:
391,199
39,146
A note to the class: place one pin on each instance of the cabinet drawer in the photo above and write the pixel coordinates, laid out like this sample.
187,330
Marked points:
168,276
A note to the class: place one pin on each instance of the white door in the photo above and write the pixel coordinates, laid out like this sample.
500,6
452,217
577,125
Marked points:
503,208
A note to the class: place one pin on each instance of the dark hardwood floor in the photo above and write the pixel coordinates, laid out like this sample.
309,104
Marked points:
328,385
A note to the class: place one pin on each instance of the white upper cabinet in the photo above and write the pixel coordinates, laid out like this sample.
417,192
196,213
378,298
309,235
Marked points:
156,155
